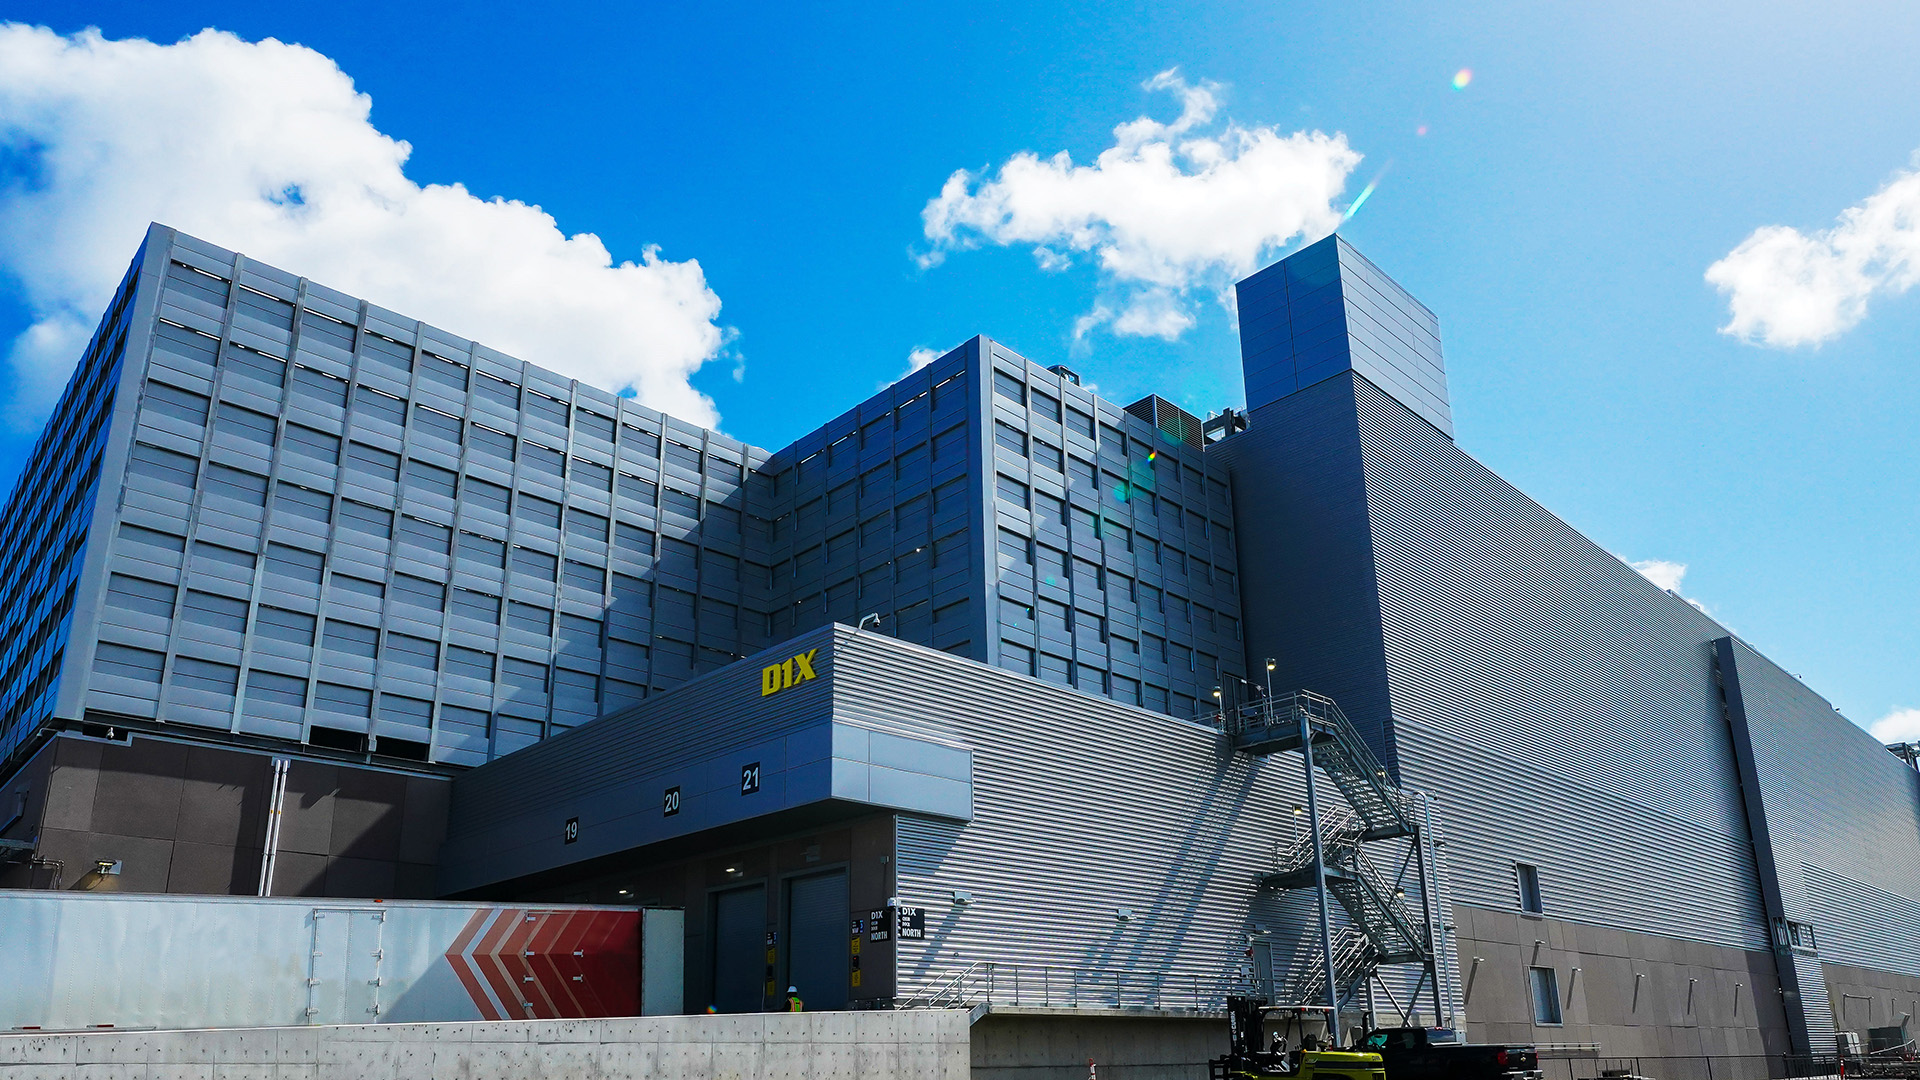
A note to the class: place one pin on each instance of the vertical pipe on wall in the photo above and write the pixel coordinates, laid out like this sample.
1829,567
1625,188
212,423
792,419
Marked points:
1427,907
1443,980
1320,882
271,847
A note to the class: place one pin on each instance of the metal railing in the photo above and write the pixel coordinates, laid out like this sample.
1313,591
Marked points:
989,982
1339,751
1353,957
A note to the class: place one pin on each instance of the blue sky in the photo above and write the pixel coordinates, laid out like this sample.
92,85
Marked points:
1559,214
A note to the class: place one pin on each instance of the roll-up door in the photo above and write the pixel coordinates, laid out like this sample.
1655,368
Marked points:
739,949
817,939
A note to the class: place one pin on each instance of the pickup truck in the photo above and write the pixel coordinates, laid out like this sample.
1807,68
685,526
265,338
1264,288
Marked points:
1414,1053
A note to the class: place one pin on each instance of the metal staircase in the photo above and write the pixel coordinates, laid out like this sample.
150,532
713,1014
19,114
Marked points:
1273,726
1353,962
1375,907
1331,851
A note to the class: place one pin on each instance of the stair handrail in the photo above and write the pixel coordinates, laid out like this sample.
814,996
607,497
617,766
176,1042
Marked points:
955,983
1340,828
1396,910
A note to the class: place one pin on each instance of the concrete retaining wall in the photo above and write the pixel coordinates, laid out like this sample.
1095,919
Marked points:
1056,1044
918,1045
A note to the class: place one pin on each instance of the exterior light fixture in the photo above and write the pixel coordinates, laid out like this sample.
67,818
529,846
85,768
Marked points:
626,892
1298,809
1400,894
962,897
1270,665
1124,914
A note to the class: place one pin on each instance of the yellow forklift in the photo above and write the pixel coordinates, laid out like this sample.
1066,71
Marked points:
1252,1056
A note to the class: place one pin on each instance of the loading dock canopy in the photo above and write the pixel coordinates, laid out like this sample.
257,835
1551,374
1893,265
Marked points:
766,740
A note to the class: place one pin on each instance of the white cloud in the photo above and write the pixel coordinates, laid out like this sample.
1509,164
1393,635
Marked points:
1168,210
1667,575
1787,288
265,148
920,356
1900,725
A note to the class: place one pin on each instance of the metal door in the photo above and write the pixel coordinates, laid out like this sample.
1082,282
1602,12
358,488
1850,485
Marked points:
817,953
1263,968
739,949
343,971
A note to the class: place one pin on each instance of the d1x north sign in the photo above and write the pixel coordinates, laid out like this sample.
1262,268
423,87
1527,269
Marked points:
791,672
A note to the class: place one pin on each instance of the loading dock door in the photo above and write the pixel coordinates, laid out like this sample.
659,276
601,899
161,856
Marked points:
817,939
739,949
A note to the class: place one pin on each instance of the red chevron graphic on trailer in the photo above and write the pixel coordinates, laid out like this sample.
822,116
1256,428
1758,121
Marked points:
532,964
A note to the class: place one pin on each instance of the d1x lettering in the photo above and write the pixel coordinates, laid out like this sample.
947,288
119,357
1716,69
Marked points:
777,677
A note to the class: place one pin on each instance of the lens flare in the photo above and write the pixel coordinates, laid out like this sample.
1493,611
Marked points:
1421,130
1461,78
1366,193
1360,200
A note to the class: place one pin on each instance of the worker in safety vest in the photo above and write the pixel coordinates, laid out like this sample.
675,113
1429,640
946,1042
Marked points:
794,1004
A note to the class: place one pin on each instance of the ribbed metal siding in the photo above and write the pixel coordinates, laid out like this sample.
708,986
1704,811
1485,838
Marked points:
1862,925
1307,578
1582,695
1082,806
659,733
1842,820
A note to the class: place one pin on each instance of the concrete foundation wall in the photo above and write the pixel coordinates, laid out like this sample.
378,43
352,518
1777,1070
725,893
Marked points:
1040,1044
927,1045
1661,1005
1865,998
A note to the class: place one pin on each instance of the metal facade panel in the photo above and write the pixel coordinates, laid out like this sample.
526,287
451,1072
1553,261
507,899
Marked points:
1325,310
1838,818
1084,807
280,428
1307,573
664,770
1508,632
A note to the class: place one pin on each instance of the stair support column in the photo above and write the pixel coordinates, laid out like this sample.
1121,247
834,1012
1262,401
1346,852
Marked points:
1320,883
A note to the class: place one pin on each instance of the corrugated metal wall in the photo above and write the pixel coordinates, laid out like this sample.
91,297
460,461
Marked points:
1841,820
1562,704
1082,807
1306,569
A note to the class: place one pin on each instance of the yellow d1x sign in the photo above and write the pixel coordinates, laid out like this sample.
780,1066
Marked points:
777,677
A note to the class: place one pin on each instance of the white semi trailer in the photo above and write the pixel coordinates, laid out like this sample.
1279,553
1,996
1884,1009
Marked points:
76,960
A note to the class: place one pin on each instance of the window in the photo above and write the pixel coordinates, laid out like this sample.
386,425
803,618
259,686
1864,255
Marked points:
1009,387
316,384
1046,405
1529,881
368,402
479,606
1546,995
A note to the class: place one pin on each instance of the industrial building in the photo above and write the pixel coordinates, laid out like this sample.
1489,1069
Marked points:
988,692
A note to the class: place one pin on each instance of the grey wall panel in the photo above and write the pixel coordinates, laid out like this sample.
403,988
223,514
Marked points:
1307,573
1838,822
1833,797
1506,630
1073,822
1324,310
1604,857
1862,925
